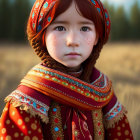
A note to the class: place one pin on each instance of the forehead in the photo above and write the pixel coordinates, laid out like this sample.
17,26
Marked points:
72,14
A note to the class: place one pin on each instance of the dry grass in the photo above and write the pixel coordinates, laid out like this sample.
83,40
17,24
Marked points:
121,62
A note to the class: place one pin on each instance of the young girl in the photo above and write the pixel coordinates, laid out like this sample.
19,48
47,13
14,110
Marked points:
65,96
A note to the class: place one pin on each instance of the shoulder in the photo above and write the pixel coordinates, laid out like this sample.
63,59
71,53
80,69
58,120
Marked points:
31,101
15,121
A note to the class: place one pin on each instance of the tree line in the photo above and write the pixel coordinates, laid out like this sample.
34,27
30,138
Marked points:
13,19
14,16
124,27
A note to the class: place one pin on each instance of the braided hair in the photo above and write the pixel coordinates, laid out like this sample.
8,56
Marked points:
37,40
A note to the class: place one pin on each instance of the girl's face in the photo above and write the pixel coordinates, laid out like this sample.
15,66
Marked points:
70,38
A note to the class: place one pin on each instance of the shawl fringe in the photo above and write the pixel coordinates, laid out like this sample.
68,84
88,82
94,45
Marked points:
111,123
25,107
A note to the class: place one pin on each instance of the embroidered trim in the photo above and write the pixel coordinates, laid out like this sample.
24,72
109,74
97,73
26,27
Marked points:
56,122
101,81
29,104
97,117
97,79
114,115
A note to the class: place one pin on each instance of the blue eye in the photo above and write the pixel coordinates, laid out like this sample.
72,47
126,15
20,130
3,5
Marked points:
85,29
59,28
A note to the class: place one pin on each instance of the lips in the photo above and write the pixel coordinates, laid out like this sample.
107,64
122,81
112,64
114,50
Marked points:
73,53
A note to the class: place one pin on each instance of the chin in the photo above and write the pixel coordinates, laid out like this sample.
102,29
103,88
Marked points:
72,66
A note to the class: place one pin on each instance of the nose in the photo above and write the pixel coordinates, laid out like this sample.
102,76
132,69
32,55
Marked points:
72,39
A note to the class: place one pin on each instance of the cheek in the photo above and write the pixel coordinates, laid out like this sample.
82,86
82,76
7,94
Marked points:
53,44
89,41
51,40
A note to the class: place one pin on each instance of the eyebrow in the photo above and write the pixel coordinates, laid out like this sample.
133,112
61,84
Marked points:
66,22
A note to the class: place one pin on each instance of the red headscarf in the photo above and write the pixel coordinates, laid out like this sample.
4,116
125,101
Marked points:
43,11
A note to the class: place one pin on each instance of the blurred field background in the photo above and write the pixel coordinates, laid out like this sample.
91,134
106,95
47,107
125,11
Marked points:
120,61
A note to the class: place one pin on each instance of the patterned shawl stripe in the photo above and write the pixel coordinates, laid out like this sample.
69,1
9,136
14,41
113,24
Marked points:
51,86
100,87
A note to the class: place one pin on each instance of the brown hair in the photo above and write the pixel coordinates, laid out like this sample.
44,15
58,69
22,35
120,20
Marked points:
37,40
